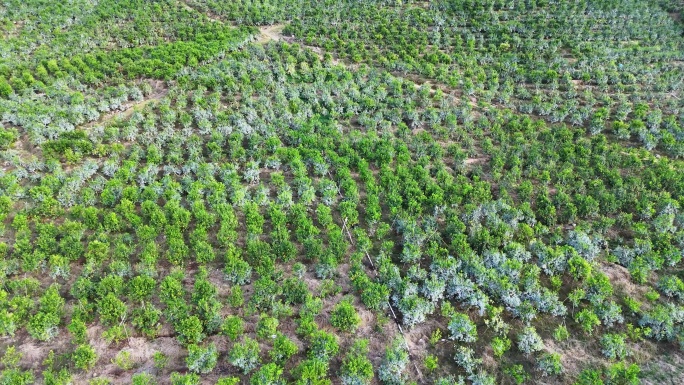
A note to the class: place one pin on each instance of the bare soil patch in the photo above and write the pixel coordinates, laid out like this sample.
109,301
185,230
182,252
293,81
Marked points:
621,279
475,160
270,33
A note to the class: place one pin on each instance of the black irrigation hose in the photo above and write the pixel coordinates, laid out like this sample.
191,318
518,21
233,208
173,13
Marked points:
394,315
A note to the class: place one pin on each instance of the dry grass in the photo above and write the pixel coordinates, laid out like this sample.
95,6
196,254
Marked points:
667,369
270,33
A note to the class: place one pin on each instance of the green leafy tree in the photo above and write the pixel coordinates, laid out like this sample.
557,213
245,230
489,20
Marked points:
141,287
550,364
147,320
201,359
462,328
529,341
613,346
12,373
500,345
269,374
283,348
84,357
123,360
160,359
245,355
236,270
184,379
190,331
43,326
431,363
323,345
356,368
623,373
393,366
267,327
143,379
312,371
16,376
233,327
588,320
228,381
344,317
112,310
78,329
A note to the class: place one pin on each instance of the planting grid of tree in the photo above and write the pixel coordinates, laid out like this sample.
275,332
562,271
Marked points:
341,192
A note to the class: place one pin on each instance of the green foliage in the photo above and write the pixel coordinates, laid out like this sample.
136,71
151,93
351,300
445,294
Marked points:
652,295
375,296
589,377
115,334
201,359
233,327
269,374
43,326
580,269
102,381
112,310
323,346
529,341
16,376
328,288
461,328
500,345
435,337
62,377
123,360
356,368
7,136
142,287
393,366
267,327
613,346
245,355
135,130
184,379
632,305
550,364
430,362
294,290
283,348
146,319
561,333
11,357
75,141
517,373
236,298
312,371
622,373
84,357
5,90
12,373
344,317
160,360
228,381
190,331
143,379
237,270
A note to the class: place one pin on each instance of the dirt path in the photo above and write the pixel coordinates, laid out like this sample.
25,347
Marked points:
159,91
